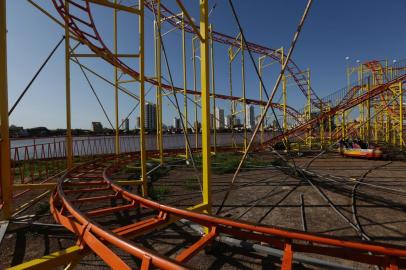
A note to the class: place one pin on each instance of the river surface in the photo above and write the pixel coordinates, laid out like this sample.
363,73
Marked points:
52,147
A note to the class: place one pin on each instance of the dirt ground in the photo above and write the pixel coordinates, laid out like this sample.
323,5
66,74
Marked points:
262,195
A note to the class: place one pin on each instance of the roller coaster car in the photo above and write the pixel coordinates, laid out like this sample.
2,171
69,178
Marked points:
359,149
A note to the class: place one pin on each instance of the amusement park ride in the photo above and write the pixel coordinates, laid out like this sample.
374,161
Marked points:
376,98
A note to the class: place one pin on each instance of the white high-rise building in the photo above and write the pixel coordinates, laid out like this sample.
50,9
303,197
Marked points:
219,118
250,114
176,123
227,121
126,124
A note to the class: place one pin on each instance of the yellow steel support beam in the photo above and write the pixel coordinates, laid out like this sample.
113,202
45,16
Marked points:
51,261
190,21
401,141
116,6
185,118
213,87
196,126
69,148
260,98
142,99
321,127
159,87
368,105
5,163
309,108
244,98
34,186
116,111
232,103
343,125
205,90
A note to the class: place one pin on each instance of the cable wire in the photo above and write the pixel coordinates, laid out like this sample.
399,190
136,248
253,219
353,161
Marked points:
35,76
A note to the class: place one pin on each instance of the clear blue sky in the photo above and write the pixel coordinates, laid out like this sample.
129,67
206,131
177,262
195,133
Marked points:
362,30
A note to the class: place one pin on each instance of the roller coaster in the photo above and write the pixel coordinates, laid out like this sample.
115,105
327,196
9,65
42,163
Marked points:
80,199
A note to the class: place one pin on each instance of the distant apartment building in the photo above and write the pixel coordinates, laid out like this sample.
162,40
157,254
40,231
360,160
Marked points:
150,116
97,127
138,124
176,123
227,121
126,124
219,118
250,115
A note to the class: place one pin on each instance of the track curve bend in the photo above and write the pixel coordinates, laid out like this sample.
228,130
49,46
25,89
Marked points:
79,186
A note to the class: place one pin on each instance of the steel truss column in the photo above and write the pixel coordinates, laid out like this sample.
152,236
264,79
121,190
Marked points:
401,141
5,165
368,104
232,103
159,88
213,90
343,134
69,149
244,98
185,118
260,98
142,98
321,127
196,124
117,133
309,108
205,89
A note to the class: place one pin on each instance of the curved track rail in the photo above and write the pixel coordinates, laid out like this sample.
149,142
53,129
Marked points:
297,75
94,177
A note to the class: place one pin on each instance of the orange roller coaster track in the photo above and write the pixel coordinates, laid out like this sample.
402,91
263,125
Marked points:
68,212
97,174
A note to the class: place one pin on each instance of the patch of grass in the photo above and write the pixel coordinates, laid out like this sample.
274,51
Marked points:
158,193
223,163
191,184
160,172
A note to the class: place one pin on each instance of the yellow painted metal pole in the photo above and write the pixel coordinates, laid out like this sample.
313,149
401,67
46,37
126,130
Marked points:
260,97
244,98
213,86
195,89
157,86
401,142
232,103
368,104
321,128
343,125
330,139
284,100
53,260
69,148
309,108
159,77
388,124
142,99
185,119
117,133
5,165
205,85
